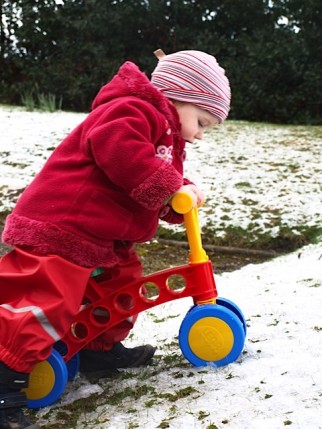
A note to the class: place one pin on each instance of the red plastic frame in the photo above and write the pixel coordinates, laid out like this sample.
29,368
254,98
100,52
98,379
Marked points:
103,311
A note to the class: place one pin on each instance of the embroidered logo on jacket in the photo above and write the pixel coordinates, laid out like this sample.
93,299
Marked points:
165,153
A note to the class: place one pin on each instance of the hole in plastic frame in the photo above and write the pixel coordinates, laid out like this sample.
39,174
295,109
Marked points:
100,315
61,347
79,330
176,283
124,302
150,291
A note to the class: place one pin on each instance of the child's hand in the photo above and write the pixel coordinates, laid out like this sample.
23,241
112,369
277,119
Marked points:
196,194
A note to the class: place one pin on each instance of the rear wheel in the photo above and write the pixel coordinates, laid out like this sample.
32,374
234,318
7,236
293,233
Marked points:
47,381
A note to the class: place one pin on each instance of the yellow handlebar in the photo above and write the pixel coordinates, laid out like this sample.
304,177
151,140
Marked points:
183,203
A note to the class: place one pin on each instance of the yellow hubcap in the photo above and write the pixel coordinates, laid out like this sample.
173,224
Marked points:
211,339
41,382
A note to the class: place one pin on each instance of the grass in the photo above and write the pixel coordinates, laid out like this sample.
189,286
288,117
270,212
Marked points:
288,238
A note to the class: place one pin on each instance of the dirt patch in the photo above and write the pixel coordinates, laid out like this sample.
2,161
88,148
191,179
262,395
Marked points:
157,256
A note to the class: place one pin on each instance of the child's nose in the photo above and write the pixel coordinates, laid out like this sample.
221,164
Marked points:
199,135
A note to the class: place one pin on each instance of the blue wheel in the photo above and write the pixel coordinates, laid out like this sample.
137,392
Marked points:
47,381
234,308
211,334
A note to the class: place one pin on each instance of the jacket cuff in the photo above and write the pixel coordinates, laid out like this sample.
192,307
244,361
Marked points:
158,187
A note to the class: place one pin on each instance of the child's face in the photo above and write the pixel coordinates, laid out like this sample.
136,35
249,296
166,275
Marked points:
194,121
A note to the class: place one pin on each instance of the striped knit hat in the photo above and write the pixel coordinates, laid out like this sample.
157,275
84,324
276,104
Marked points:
193,77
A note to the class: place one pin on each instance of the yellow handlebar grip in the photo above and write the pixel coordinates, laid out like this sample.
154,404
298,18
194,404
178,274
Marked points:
182,202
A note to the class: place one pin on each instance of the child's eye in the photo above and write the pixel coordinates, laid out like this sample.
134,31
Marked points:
200,124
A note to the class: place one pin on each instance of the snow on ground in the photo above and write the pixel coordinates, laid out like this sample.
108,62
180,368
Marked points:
255,176
251,173
259,176
276,382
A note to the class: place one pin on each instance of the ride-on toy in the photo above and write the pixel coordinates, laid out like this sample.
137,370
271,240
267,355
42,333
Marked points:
212,332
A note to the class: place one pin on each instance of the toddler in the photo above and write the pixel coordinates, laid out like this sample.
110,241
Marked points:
103,189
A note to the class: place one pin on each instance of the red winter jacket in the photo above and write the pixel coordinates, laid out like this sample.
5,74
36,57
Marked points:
104,186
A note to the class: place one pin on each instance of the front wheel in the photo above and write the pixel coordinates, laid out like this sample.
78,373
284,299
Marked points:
211,334
234,308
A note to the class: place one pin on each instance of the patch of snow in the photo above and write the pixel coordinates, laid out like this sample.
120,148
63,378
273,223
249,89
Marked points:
277,381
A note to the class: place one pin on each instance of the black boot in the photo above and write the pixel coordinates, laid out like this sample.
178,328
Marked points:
12,399
104,364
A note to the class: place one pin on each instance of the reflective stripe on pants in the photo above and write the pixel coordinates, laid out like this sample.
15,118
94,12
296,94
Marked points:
39,297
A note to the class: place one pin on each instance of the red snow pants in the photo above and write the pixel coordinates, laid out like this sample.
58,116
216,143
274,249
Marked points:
39,298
